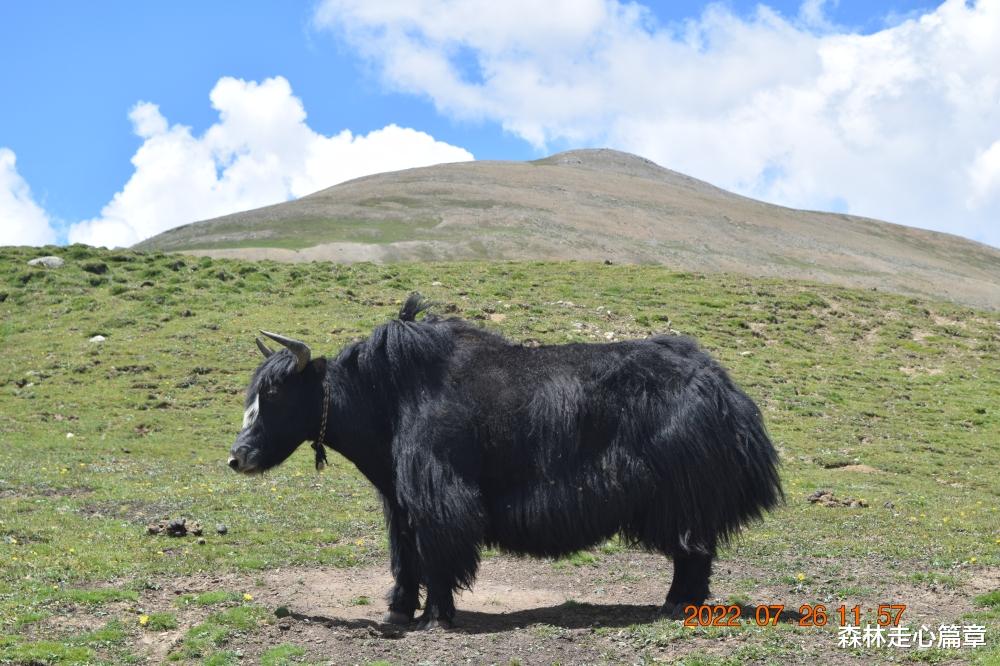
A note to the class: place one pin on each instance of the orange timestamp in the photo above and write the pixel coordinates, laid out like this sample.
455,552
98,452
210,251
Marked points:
809,615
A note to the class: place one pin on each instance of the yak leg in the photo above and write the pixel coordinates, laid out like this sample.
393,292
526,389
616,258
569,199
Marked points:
448,548
690,584
404,597
435,466
440,608
659,530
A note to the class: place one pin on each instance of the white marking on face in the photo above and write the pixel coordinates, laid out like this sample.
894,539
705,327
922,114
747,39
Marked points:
250,415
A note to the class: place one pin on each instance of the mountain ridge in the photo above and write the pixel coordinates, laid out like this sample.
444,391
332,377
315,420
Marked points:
593,205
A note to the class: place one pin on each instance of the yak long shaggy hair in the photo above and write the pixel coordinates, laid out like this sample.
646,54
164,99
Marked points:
473,440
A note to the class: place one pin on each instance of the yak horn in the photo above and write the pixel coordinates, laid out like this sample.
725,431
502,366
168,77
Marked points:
263,348
300,349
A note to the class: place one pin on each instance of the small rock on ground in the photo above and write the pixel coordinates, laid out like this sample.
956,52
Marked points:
47,262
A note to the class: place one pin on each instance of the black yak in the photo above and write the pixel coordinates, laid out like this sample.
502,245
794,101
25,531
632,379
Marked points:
473,441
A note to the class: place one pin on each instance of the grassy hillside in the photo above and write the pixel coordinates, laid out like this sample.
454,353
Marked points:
592,205
884,398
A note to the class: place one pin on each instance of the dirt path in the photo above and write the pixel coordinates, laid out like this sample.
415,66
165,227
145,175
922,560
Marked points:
537,612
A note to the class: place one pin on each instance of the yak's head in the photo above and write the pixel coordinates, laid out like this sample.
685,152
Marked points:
283,406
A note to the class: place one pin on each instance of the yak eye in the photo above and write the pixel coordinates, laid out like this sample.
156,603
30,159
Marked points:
271,393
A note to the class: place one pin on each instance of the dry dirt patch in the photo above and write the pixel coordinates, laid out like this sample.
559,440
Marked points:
861,469
534,611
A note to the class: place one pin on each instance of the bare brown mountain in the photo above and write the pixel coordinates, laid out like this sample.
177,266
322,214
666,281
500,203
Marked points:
593,205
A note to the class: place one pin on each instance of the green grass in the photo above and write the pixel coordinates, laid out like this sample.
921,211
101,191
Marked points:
987,614
579,559
935,578
210,598
990,600
161,622
216,631
97,597
280,655
44,652
295,234
907,386
222,658
83,648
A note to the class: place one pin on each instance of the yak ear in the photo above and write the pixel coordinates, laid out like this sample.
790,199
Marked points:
263,348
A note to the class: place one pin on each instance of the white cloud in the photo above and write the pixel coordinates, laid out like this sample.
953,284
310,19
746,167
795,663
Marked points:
812,14
900,124
985,176
259,152
22,221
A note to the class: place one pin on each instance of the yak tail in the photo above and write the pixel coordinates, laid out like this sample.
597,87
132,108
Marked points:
717,466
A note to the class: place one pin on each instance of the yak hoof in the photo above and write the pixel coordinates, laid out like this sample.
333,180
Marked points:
397,617
672,610
434,623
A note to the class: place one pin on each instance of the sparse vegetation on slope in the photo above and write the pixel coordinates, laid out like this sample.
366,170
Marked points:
593,205
876,397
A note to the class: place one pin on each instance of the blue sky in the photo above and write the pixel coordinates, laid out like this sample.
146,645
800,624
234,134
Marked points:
72,72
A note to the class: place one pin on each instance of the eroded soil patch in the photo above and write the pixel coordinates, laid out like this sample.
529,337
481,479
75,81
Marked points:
534,611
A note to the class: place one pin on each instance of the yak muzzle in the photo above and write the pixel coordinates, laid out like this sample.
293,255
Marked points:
240,460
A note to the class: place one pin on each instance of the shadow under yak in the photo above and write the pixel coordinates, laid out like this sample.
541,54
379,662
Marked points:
567,615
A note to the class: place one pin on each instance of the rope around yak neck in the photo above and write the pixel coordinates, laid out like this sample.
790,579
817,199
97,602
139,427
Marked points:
317,445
